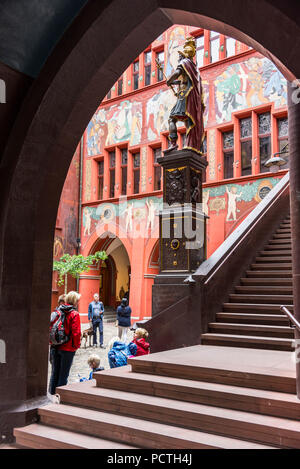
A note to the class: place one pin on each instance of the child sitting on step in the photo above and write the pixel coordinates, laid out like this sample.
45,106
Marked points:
94,364
140,338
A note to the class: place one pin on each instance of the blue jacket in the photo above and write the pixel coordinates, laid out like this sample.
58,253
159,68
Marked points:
119,353
91,374
91,310
123,316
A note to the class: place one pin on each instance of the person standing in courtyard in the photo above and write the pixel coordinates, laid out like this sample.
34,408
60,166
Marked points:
124,319
65,334
95,316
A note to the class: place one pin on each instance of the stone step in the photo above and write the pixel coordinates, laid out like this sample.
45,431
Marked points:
269,274
191,415
267,281
37,436
130,430
282,236
260,299
278,247
280,242
260,369
254,308
244,318
274,253
272,259
284,332
272,265
219,395
286,231
267,289
235,340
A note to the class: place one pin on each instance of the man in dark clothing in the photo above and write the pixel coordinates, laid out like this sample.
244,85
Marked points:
123,318
95,316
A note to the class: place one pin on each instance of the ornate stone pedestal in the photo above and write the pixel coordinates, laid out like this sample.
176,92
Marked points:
182,226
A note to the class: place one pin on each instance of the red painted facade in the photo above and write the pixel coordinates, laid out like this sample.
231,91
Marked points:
66,228
245,122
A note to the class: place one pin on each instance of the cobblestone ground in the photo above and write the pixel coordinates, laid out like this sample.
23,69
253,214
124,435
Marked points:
80,366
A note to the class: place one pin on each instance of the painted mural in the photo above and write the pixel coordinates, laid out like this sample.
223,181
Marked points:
232,88
234,198
114,124
157,113
247,84
175,42
135,217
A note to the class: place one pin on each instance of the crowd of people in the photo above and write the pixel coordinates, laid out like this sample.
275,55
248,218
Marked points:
65,338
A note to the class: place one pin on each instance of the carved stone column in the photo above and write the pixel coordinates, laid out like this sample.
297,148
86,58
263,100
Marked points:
182,221
182,226
294,152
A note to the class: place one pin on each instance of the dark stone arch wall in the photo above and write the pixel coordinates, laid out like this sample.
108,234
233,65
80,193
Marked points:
102,41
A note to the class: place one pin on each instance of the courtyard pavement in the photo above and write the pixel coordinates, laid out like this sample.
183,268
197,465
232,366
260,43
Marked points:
80,366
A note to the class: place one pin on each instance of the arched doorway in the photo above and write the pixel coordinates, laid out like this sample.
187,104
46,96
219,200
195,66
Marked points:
107,284
109,278
77,76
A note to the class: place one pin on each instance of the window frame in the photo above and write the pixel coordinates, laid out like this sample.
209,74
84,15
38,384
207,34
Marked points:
227,150
135,170
112,170
260,136
244,140
155,170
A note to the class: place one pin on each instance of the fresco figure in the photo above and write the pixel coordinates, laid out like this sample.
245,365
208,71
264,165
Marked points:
129,216
275,85
205,201
158,110
255,95
151,214
230,85
136,124
232,209
111,131
87,222
176,40
97,133
230,92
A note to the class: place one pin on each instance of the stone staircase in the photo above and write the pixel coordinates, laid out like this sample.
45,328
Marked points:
237,390
197,397
252,316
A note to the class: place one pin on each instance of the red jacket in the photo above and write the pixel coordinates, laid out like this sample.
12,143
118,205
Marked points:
143,347
72,329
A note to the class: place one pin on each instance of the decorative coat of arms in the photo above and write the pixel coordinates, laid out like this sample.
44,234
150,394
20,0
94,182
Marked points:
175,187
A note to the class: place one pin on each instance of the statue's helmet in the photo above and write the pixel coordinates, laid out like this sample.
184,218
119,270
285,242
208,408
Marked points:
189,48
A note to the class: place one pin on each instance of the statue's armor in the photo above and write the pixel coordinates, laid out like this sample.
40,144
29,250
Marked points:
179,110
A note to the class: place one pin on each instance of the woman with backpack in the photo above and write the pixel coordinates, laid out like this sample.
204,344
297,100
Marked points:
65,334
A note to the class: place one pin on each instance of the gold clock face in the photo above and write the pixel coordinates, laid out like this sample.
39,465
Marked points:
175,244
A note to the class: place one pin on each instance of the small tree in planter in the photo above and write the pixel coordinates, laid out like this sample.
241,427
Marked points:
75,265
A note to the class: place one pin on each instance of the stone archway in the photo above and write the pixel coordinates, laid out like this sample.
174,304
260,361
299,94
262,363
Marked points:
102,41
